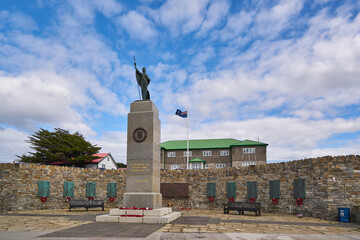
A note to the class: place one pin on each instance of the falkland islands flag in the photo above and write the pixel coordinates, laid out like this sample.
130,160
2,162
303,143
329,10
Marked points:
181,114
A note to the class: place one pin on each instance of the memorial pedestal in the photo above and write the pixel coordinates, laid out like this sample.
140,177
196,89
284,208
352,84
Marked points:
159,216
143,157
143,170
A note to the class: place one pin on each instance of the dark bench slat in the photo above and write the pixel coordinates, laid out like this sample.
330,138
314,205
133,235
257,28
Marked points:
241,207
86,204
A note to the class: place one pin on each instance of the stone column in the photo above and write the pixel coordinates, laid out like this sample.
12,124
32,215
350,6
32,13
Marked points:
143,156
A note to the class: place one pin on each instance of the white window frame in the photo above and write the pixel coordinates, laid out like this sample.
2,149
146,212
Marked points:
224,153
196,165
171,154
248,150
103,166
207,153
220,165
174,166
246,164
185,154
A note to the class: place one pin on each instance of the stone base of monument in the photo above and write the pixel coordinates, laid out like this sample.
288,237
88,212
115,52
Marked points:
159,216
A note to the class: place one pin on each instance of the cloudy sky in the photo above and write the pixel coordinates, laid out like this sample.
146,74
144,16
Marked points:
285,72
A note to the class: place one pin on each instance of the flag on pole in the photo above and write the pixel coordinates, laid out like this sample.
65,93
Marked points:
181,114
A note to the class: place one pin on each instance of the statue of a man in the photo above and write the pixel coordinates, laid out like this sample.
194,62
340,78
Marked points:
143,80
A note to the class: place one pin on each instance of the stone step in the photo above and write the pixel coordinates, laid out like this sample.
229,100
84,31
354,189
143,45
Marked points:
154,212
146,219
163,219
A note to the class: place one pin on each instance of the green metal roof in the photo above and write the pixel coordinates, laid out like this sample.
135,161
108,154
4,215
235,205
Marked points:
208,144
199,144
196,160
249,143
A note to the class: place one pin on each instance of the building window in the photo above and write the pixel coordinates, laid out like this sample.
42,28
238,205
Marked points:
207,153
171,154
224,153
103,165
246,164
174,166
196,165
185,154
220,165
206,166
248,150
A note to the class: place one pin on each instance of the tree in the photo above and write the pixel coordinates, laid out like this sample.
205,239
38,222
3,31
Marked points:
121,165
59,146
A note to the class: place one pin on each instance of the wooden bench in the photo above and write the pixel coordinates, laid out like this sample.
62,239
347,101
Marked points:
251,207
236,206
86,204
242,207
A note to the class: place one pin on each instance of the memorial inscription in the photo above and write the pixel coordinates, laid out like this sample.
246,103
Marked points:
174,190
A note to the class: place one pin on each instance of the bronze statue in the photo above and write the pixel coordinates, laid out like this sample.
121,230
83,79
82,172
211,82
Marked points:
143,80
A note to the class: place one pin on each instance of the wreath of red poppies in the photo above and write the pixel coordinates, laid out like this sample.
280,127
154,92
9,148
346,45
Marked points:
275,201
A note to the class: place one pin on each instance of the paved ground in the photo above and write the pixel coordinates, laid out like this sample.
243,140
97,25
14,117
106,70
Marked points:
194,224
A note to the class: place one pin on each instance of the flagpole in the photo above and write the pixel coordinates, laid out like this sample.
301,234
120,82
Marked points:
187,142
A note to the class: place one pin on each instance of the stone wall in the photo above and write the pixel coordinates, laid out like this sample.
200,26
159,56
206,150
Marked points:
19,185
331,182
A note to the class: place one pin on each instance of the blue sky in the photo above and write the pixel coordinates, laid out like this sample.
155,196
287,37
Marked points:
284,72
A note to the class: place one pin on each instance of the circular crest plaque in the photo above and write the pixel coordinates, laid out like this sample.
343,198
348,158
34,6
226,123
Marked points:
139,135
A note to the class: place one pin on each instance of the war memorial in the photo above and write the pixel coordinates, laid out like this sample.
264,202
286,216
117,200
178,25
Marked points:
142,199
316,187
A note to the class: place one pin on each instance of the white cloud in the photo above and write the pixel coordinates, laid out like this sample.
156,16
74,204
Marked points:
28,100
216,12
182,17
313,76
270,22
17,21
138,26
12,142
202,56
237,24
107,7
114,143
84,10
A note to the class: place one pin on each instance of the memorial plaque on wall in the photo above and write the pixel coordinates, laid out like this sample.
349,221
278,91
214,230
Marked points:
174,190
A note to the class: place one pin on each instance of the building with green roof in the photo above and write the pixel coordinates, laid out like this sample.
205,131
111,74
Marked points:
212,153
